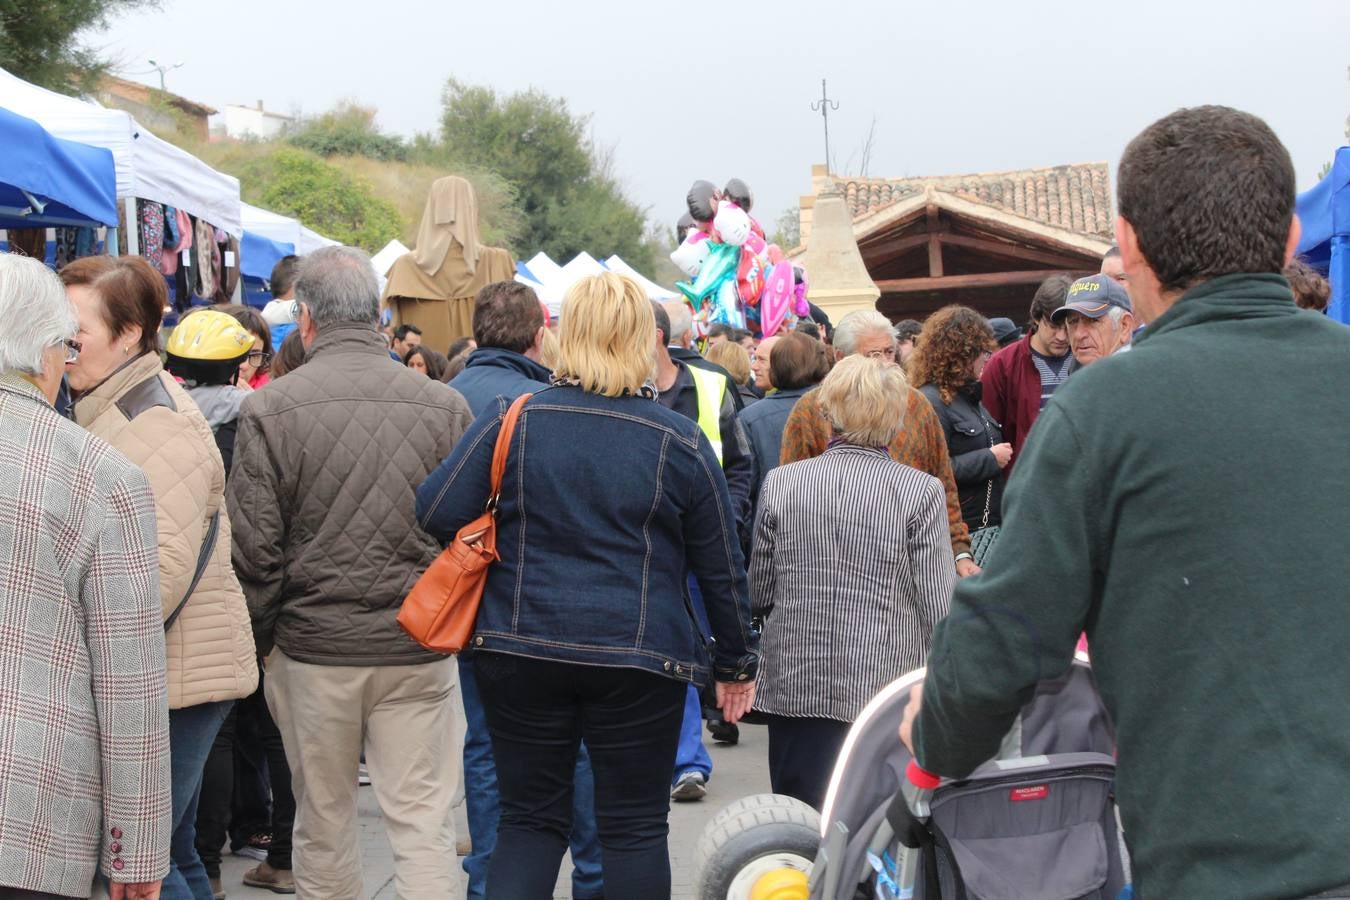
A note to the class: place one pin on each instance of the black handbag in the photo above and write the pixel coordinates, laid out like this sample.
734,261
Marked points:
982,539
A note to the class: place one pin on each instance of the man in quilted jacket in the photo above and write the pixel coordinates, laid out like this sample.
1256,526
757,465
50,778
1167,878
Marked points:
327,546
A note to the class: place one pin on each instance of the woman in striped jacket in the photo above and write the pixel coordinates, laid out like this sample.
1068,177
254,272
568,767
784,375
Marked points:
852,567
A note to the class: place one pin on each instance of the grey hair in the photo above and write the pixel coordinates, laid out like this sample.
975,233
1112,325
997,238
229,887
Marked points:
338,287
35,313
851,328
681,321
1115,313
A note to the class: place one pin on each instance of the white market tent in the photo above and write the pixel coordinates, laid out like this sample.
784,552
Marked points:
551,281
312,240
385,259
147,167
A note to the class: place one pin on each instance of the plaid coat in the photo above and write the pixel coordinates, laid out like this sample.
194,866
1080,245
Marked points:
84,717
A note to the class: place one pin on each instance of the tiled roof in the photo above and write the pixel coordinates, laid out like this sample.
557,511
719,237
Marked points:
1076,197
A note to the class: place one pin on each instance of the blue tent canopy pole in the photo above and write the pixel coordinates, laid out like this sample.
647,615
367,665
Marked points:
1324,211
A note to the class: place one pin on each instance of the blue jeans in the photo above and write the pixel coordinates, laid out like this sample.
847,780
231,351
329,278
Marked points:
691,755
192,731
482,802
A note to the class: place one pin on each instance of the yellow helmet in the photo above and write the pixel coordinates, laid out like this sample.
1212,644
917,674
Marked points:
209,335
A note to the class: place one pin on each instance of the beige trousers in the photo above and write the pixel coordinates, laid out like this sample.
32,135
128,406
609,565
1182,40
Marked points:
404,715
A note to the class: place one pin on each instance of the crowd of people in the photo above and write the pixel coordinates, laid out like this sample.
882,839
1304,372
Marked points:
206,538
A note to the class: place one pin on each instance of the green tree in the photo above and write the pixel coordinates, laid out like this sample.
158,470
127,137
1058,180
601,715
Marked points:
40,39
565,189
787,233
349,130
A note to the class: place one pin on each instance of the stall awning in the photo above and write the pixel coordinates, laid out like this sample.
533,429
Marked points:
1324,212
58,182
147,167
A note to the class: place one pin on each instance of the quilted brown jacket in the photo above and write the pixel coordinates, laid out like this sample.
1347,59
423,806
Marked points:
326,463
147,415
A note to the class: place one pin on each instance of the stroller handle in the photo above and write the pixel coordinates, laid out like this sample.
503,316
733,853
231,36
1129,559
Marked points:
920,777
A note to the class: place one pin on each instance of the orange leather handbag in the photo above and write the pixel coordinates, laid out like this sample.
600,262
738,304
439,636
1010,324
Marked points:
440,611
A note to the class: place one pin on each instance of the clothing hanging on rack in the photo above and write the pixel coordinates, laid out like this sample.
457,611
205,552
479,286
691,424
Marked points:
151,222
31,242
74,242
181,230
202,245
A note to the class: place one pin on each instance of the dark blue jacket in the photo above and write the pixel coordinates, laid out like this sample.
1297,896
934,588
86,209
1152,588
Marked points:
764,421
492,372
605,505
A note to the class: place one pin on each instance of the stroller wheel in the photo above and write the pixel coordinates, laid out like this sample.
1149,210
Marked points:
759,848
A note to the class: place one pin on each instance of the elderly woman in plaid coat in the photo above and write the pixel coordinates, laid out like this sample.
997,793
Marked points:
84,742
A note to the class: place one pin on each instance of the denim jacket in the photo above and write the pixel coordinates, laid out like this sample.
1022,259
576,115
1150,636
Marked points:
605,505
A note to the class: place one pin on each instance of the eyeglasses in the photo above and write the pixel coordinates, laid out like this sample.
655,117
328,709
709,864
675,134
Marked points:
73,349
888,353
259,358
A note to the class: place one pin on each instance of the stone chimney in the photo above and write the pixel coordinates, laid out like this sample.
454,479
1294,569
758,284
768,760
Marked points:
839,280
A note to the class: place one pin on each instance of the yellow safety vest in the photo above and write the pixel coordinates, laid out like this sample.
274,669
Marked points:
710,388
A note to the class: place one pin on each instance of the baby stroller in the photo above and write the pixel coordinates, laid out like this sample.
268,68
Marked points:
1038,822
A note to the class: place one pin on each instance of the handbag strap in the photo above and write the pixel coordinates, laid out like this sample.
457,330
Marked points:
203,557
503,449
989,485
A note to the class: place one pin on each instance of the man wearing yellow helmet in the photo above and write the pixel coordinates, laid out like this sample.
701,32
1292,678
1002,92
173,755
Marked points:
204,353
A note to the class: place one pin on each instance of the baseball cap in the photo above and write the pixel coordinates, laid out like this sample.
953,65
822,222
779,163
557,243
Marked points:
1092,297
1005,331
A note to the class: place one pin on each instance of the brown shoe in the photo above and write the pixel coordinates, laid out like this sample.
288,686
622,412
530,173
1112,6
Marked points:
278,881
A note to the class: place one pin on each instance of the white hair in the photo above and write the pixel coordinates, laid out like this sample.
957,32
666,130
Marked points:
35,313
681,321
851,328
1116,313
338,287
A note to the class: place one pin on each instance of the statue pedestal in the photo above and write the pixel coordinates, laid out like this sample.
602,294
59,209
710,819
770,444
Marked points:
839,280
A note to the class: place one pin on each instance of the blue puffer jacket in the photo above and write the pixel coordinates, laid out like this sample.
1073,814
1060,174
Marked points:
492,372
605,505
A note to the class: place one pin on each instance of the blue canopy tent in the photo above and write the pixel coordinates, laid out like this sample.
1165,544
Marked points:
1325,213
46,181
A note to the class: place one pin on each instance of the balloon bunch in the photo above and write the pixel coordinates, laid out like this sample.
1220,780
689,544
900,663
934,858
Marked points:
736,277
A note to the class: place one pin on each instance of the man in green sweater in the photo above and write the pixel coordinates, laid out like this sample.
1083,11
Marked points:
1186,505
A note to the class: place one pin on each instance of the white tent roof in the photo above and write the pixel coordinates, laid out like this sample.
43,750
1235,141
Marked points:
654,290
147,167
554,280
385,259
312,240
283,229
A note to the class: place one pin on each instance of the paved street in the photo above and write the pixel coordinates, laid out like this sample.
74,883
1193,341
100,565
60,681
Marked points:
737,771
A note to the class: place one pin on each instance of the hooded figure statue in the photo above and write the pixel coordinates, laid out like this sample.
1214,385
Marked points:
433,286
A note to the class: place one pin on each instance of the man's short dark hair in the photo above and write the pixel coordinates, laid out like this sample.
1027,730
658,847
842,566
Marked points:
1111,254
401,332
283,277
723,329
662,322
1049,297
907,330
507,315
808,328
1209,191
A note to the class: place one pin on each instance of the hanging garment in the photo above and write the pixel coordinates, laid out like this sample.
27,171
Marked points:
229,267
151,221
173,247
204,241
66,251
31,242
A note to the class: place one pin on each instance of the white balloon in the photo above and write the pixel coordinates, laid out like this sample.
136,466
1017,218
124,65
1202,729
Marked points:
733,224
689,256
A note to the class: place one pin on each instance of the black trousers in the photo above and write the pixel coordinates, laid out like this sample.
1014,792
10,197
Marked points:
537,713
802,753
247,764
9,893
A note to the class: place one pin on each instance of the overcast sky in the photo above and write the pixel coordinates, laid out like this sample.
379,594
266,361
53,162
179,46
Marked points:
718,90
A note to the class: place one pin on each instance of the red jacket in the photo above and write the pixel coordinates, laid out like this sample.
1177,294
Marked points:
1012,393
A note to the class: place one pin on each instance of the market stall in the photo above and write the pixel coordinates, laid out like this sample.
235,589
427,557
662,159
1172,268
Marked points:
1325,214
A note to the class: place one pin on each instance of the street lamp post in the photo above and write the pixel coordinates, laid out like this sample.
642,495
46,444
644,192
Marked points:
163,70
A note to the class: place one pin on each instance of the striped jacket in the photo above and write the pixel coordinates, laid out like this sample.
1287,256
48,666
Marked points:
84,716
852,567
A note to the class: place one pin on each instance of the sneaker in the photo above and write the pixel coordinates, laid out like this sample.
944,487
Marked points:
217,889
724,732
362,775
256,848
278,881
689,787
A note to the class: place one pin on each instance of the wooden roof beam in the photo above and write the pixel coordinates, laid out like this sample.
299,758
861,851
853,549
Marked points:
1030,254
934,242
983,279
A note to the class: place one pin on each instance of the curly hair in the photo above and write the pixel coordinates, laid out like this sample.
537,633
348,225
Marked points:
1311,290
951,339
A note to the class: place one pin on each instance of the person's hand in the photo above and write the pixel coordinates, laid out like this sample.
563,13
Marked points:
142,890
1002,454
966,568
911,713
734,698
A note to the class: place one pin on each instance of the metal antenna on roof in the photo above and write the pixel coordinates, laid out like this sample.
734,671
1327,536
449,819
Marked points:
824,105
